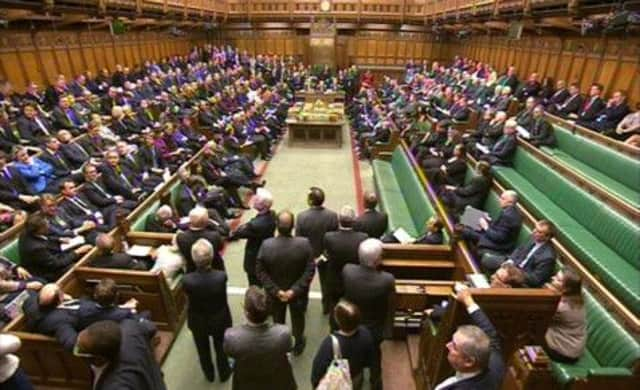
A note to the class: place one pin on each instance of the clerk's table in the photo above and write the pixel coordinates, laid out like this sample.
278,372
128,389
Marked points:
316,124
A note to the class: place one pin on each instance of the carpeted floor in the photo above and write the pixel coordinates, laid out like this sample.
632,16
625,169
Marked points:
289,176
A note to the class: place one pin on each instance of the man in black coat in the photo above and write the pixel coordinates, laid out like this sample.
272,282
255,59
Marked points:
122,354
474,193
9,134
33,127
499,235
285,267
372,222
41,256
340,248
208,315
258,229
486,368
559,96
79,208
74,152
14,190
117,179
96,192
592,106
62,168
505,148
199,228
570,105
107,258
536,258
373,291
313,223
540,131
608,118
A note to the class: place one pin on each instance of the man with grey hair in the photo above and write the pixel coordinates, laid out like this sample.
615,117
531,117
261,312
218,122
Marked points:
108,258
258,229
503,151
474,351
373,291
162,221
499,235
199,228
208,316
340,248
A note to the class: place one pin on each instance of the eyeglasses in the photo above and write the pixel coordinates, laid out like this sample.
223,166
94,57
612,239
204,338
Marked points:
76,352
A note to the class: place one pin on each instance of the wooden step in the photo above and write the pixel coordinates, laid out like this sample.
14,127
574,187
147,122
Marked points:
427,263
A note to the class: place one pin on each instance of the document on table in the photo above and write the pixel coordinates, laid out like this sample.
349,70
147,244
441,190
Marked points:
478,280
471,217
522,132
74,242
482,148
139,250
401,235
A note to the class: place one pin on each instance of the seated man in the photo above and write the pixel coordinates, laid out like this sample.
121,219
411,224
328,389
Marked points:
39,175
536,258
80,209
95,191
504,149
629,126
65,117
161,221
432,236
33,127
42,257
106,257
608,117
13,280
14,190
540,131
497,236
570,105
104,306
74,152
62,168
62,228
119,180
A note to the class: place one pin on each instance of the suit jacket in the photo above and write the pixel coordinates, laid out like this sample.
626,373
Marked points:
286,262
503,231
146,157
472,194
541,133
435,238
341,248
372,222
75,154
559,96
63,324
540,266
90,311
8,139
154,225
456,172
115,183
260,353
62,121
571,105
187,238
61,167
29,129
258,229
97,194
502,152
12,184
374,293
591,108
313,223
43,258
78,213
208,308
492,376
135,367
118,261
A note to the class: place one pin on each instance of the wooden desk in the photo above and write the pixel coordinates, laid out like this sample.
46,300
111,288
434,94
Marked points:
319,134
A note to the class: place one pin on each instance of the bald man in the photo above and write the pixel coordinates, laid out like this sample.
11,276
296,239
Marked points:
107,258
199,227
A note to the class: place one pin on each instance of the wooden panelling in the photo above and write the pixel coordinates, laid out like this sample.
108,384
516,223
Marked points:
42,56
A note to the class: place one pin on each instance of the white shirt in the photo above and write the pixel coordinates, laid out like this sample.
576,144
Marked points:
8,362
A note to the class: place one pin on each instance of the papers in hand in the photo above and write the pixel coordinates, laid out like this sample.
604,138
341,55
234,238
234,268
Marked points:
74,242
401,235
522,132
139,250
482,148
478,280
471,217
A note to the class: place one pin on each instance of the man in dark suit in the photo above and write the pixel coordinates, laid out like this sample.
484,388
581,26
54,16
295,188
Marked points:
499,235
452,170
63,227
285,267
105,306
592,106
117,179
503,151
79,208
161,221
14,191
9,134
208,315
62,169
540,130
608,118
122,354
474,193
372,222
41,256
107,258
33,127
509,79
74,152
559,96
65,117
536,258
96,192
313,223
258,229
474,352
340,248
570,105
373,291
259,348
199,228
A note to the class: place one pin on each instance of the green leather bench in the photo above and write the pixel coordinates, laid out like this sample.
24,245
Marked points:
611,354
140,224
605,241
11,252
617,172
401,194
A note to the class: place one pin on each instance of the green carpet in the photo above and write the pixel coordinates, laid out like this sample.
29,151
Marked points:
289,176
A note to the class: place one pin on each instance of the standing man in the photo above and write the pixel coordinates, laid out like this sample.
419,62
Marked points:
259,348
258,229
285,267
373,291
313,223
199,227
474,352
372,222
341,248
208,315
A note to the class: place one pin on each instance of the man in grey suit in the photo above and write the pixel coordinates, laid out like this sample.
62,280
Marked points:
536,258
285,267
259,348
373,291
313,223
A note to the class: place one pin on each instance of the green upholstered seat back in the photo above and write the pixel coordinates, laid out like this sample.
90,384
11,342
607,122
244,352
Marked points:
617,166
616,231
140,224
413,192
607,340
175,194
11,252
